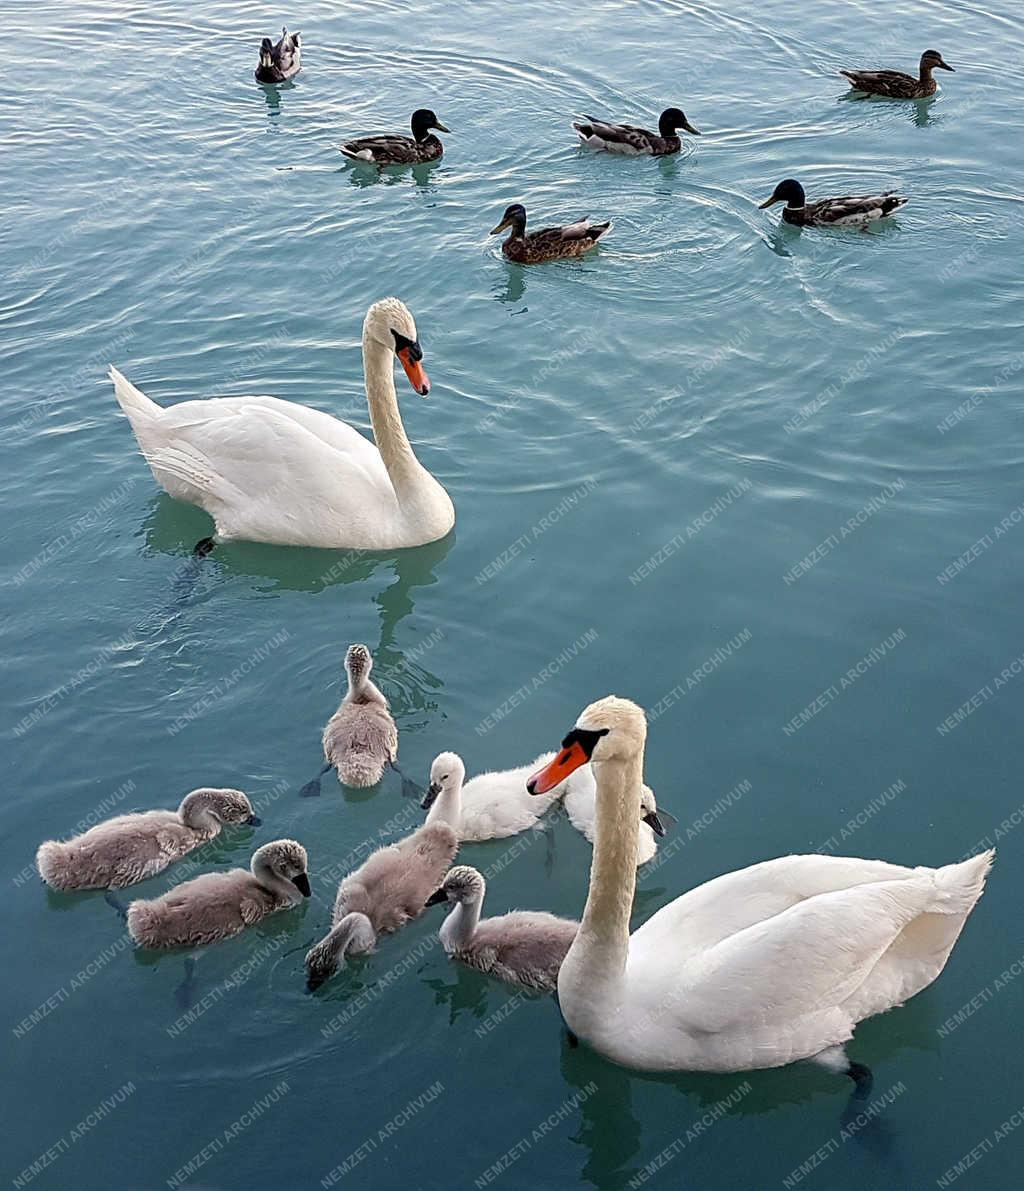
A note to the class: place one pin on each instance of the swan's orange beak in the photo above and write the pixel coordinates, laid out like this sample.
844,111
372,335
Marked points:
415,371
557,770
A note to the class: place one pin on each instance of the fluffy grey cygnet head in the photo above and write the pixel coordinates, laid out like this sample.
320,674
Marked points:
226,806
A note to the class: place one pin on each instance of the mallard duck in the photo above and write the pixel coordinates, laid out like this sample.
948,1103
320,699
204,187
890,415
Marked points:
394,149
897,85
854,210
628,138
280,62
550,243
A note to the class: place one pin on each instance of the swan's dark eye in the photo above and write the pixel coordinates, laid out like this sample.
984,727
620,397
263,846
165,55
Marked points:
403,342
444,777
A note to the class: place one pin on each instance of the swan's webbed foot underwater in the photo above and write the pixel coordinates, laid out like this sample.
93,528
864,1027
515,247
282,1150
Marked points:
410,789
203,547
863,1080
312,788
111,898
184,994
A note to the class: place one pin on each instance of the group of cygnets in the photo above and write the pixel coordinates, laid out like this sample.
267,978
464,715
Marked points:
394,884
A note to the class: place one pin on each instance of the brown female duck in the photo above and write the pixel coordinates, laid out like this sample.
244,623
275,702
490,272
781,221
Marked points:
895,84
550,243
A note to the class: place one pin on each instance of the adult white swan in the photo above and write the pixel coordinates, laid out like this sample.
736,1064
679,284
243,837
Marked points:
268,470
757,968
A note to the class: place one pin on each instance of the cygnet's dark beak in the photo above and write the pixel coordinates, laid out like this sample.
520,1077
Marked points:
301,883
254,821
654,822
436,898
431,796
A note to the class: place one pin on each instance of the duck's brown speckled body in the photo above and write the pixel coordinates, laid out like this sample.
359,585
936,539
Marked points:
550,243
894,84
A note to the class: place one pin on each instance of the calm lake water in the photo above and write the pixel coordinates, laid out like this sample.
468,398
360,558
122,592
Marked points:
767,483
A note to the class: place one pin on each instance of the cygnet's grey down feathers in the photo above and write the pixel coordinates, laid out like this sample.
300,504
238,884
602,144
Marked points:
216,906
360,738
523,947
130,848
389,888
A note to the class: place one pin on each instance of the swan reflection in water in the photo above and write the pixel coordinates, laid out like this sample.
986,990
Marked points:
171,528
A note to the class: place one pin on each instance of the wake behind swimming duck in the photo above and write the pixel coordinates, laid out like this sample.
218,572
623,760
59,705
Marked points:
856,210
629,139
894,84
281,62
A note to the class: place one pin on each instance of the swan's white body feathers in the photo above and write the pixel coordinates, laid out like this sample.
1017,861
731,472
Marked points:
776,962
268,470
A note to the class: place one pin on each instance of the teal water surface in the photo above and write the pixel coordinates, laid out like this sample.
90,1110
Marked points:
765,482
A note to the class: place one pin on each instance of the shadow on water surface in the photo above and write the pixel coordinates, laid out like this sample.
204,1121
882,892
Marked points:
361,176
172,528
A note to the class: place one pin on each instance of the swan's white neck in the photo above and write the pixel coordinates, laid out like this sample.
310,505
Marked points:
597,957
458,928
447,808
388,430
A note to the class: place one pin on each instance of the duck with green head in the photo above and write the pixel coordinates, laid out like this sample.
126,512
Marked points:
855,210
396,149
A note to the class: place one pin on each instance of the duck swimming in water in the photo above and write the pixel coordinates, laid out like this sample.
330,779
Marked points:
394,149
849,211
548,244
894,84
281,62
629,139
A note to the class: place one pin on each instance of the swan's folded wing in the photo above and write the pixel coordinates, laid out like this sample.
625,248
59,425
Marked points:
725,905
800,963
253,450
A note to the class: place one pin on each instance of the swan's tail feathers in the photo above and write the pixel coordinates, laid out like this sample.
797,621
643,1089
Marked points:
144,923
360,770
353,934
51,861
137,406
960,885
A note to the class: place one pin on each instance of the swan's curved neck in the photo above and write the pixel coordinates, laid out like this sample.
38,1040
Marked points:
447,808
273,882
363,689
458,928
388,430
196,813
603,939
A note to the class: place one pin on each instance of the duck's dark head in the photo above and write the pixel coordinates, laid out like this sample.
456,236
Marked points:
423,120
673,119
266,52
514,217
789,192
932,60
